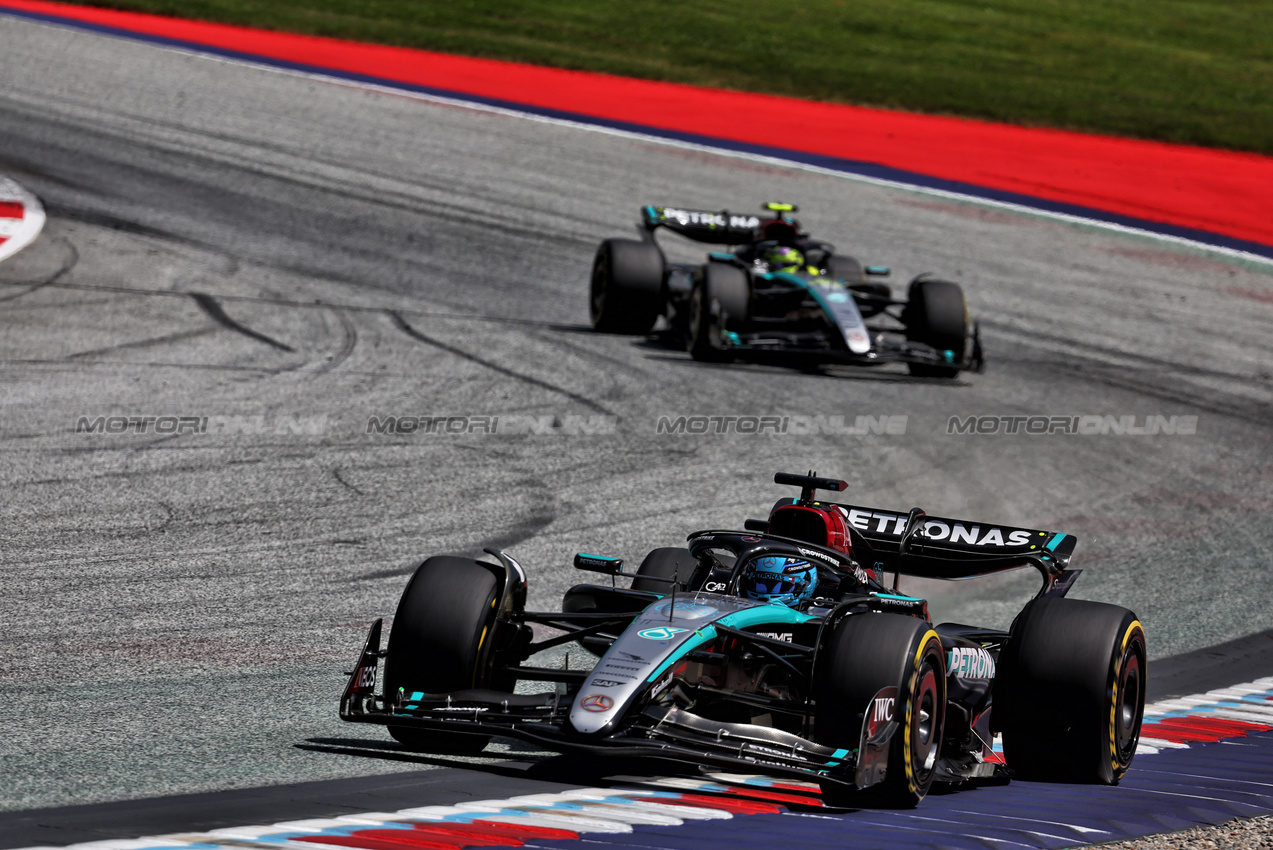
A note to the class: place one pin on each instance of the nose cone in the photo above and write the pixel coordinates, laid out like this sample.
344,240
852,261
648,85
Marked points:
594,710
640,660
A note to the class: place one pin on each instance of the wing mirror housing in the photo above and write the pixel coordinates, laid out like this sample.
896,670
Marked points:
599,564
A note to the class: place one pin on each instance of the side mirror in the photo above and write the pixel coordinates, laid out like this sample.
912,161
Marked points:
761,525
599,564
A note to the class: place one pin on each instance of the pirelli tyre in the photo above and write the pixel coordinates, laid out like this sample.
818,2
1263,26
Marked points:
440,642
1070,691
718,302
936,314
626,294
864,655
662,565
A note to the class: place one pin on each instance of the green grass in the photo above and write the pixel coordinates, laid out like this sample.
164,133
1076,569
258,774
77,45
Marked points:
1190,71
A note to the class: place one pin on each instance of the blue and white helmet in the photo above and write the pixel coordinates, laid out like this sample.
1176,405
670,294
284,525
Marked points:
777,578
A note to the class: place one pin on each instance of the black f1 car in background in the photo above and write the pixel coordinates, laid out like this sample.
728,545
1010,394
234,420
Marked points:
777,293
778,648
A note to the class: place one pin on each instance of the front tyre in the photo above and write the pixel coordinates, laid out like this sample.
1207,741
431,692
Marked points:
440,642
718,303
1070,691
662,565
865,654
936,315
626,292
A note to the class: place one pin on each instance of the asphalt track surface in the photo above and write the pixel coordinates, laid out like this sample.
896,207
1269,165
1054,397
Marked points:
1219,198
225,241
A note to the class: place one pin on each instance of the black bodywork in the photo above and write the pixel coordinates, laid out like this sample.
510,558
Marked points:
696,674
832,309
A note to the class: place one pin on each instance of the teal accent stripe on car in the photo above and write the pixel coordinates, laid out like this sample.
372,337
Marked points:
1055,541
701,636
761,615
764,615
413,700
837,757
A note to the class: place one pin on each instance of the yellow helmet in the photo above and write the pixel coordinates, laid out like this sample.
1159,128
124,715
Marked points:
783,259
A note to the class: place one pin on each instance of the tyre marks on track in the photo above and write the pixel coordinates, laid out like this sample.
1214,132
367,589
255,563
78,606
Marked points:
65,266
212,307
179,336
349,341
410,331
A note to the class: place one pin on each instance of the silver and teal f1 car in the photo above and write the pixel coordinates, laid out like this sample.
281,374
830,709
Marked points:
777,294
849,684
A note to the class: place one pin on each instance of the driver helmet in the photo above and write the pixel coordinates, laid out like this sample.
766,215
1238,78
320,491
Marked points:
781,258
779,579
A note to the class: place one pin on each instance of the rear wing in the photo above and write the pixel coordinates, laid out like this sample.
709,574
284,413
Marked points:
917,544
711,226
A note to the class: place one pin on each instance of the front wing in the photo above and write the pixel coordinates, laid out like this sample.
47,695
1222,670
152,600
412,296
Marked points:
885,348
660,731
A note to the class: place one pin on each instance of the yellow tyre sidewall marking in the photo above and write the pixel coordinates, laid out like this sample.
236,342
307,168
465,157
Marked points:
1112,739
481,640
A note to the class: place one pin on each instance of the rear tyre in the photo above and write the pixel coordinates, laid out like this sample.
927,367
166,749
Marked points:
626,293
1070,691
719,301
936,314
866,653
844,268
440,642
665,564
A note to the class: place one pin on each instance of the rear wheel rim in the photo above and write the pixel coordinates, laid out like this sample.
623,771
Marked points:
1127,712
925,725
